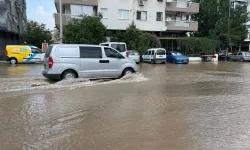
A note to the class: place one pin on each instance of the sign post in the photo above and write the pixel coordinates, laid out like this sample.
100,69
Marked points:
44,47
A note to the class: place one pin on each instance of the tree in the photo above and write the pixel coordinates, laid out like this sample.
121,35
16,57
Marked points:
36,34
215,23
87,30
136,39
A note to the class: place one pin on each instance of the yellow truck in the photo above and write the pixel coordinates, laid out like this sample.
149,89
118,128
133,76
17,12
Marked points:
24,54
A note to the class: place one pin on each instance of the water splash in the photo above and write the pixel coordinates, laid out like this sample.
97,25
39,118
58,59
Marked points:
19,84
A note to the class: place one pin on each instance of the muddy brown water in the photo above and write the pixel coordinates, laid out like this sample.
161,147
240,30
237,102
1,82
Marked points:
200,106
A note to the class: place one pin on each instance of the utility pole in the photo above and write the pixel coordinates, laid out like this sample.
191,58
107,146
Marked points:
61,26
228,28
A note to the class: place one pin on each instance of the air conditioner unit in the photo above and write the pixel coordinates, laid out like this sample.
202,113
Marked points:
141,2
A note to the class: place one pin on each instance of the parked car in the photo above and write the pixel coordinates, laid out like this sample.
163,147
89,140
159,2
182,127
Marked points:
66,61
119,46
23,54
177,58
134,55
240,56
155,55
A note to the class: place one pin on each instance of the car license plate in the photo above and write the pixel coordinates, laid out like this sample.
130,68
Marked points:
160,56
184,60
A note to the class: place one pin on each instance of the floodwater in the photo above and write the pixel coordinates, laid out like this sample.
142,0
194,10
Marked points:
200,106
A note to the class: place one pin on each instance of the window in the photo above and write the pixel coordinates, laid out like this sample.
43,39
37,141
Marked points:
123,14
104,12
90,52
161,52
146,53
119,47
48,51
36,50
141,15
112,53
152,52
159,16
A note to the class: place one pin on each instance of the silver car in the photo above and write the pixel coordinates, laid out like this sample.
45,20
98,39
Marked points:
240,56
65,61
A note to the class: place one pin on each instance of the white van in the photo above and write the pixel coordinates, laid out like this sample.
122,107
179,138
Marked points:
119,46
87,61
155,55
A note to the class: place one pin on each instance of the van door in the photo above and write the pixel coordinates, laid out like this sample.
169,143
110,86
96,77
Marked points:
36,55
90,58
113,64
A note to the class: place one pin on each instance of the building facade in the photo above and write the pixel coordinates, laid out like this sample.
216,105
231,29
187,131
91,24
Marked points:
168,19
13,22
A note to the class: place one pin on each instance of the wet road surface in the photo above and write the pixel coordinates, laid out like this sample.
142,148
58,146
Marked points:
201,106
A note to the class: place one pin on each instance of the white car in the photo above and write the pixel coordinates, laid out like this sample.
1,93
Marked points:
134,55
155,55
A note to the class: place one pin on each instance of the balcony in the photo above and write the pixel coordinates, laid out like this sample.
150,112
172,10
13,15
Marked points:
190,8
3,5
66,18
182,25
76,2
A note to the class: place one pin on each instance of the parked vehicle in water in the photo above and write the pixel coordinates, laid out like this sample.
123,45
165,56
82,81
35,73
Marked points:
155,55
134,55
119,46
66,61
240,56
23,54
177,58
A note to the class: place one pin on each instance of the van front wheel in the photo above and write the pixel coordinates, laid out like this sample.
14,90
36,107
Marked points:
69,75
13,61
127,71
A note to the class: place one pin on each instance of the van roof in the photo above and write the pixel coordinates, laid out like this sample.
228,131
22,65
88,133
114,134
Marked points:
113,43
156,49
75,45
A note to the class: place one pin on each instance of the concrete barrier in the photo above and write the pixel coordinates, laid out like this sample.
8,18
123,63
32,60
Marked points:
199,59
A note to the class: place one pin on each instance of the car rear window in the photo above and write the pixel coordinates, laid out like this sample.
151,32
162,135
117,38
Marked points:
161,52
119,47
48,51
90,52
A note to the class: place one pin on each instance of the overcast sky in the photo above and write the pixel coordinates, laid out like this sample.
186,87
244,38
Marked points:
41,11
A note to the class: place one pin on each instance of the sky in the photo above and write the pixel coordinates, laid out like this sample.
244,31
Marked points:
41,11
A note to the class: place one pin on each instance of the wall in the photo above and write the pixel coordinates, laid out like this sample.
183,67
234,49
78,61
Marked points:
151,6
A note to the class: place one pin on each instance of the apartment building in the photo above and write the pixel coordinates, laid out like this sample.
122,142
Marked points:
168,19
13,21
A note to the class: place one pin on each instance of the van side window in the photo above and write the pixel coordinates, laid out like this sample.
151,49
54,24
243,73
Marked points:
90,52
152,52
111,53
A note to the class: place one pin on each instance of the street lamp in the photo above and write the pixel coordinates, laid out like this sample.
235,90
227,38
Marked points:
61,26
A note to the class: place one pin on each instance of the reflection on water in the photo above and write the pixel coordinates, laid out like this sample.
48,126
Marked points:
192,107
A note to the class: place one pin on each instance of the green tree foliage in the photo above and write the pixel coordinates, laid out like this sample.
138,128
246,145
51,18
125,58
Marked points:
215,23
196,45
136,39
87,30
36,34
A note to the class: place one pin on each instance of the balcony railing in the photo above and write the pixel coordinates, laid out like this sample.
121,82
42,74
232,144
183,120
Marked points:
79,2
188,7
66,18
175,25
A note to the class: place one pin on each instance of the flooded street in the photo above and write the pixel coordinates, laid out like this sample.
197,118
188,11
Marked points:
200,106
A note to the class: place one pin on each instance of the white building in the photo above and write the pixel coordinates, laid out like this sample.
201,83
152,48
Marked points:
166,18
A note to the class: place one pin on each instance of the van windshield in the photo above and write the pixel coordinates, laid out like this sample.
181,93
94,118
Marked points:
119,47
48,51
